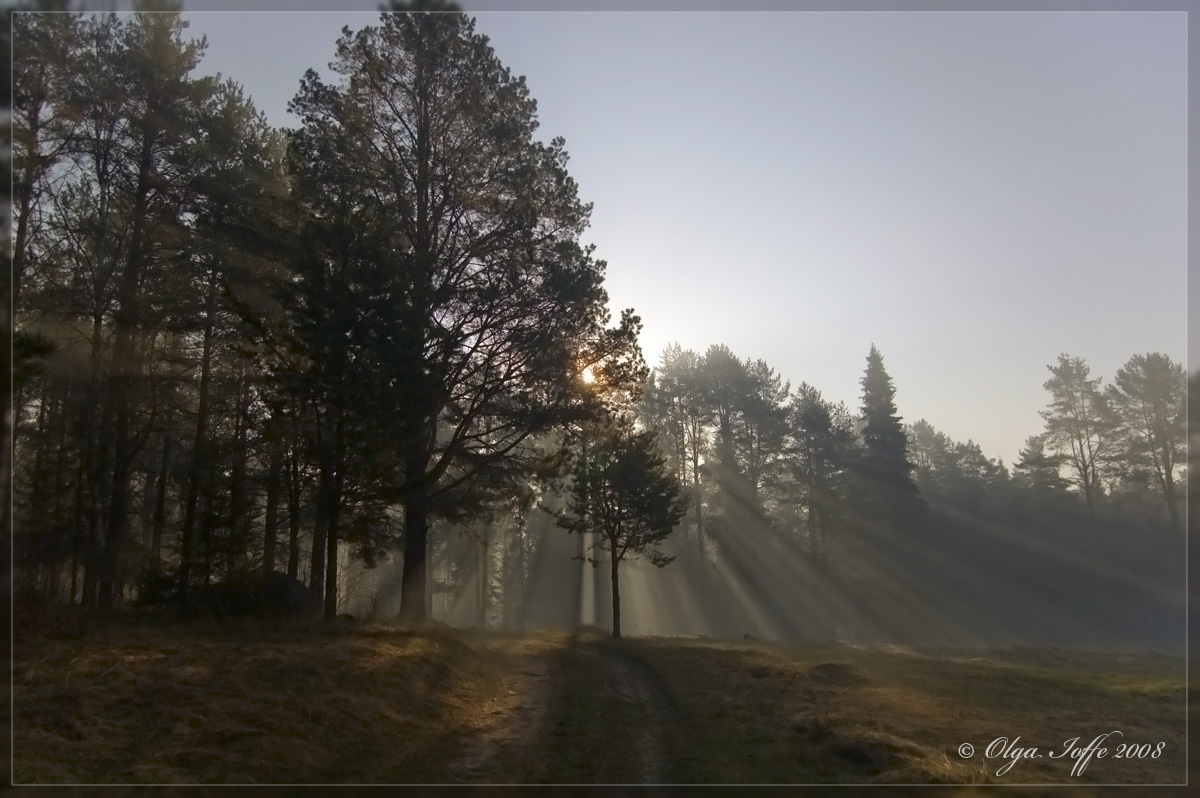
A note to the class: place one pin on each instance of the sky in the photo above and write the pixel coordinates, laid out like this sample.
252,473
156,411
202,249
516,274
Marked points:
974,193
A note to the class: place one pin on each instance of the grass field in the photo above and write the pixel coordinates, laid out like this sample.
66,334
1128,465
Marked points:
774,714
376,704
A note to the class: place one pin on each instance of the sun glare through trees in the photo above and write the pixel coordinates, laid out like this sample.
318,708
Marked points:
333,461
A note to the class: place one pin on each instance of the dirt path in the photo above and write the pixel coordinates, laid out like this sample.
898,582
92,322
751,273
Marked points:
503,728
578,710
612,719
631,686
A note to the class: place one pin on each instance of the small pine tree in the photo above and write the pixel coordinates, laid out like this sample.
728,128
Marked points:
626,493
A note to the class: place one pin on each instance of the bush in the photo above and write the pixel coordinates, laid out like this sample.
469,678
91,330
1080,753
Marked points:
240,595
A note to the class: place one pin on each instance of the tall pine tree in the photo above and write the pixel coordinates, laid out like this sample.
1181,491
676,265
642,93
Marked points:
1079,426
891,494
448,235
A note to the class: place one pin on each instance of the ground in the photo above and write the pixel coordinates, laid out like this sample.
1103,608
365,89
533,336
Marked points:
377,704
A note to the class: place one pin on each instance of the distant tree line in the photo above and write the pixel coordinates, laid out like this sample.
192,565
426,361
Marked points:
747,444
762,462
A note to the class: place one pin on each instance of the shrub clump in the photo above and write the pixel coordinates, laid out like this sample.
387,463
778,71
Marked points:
241,594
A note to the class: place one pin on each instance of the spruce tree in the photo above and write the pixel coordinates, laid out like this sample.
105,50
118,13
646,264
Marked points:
891,493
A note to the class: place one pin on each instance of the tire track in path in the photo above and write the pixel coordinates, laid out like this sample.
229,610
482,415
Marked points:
612,720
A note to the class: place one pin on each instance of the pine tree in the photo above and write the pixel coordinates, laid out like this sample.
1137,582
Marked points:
931,453
626,493
1148,396
1038,473
1079,426
763,425
441,278
892,494
820,454
726,385
676,407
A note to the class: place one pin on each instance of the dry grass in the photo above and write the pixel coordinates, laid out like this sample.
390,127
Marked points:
284,707
380,704
764,713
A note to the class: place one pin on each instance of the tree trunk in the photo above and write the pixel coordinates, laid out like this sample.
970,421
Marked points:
813,547
316,573
331,569
36,499
118,511
420,420
126,320
146,508
481,588
92,463
74,576
1168,483
331,566
206,527
616,591
271,520
1089,491
160,500
1172,502
79,533
412,591
200,444
62,477
239,491
293,568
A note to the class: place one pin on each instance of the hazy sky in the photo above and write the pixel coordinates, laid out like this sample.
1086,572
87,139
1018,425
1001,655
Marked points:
973,192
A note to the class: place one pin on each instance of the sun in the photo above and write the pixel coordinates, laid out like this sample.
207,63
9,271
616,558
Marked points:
588,376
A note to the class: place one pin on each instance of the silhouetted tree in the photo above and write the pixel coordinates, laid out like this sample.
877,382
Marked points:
455,241
821,454
885,468
931,455
763,424
1078,426
1148,397
1039,471
958,474
676,406
727,386
123,250
627,495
